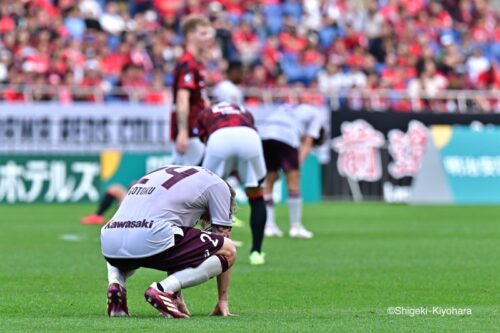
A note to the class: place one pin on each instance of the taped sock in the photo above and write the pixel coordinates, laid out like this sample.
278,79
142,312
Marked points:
190,277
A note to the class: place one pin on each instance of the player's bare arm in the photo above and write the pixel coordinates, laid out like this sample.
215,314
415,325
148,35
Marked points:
222,306
228,250
305,148
181,142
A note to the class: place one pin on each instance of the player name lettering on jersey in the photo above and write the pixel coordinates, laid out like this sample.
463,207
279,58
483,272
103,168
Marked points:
129,224
141,190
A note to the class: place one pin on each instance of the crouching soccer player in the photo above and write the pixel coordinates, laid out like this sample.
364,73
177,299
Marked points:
153,228
234,146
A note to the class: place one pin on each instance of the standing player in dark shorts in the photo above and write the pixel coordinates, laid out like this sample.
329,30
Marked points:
153,228
288,135
233,145
189,91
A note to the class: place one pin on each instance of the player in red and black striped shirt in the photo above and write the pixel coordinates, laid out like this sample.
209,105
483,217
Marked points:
189,91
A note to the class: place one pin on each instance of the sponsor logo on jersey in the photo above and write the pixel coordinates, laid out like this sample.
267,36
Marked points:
129,224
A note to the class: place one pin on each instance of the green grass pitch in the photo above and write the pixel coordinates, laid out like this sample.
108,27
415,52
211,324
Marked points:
364,259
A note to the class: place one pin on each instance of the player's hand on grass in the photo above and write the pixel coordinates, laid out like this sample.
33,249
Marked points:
181,143
221,309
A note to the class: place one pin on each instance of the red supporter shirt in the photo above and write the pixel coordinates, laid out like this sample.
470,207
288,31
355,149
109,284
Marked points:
489,79
155,98
389,12
271,54
244,37
496,34
292,43
223,115
114,63
413,6
445,20
355,60
234,7
480,34
167,8
41,62
354,40
7,24
312,57
188,75
415,49
11,95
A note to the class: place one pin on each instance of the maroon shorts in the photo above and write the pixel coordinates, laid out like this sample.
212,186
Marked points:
189,250
279,155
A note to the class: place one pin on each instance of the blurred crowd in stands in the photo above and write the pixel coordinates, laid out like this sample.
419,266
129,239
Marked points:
416,46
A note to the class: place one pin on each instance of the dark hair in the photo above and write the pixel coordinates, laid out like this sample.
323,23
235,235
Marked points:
234,65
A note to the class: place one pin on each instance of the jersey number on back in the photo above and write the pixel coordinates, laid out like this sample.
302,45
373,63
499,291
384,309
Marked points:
176,176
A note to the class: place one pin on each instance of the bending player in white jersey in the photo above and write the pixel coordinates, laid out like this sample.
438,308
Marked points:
153,228
233,145
288,134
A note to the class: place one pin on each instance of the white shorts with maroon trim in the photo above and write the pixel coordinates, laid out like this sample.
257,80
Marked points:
236,149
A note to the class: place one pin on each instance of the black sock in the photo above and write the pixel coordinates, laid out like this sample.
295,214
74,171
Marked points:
106,202
258,216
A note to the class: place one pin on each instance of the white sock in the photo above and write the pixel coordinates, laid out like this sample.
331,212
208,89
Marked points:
190,277
117,276
171,284
295,211
270,221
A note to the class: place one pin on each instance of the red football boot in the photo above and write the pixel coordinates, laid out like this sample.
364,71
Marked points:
164,302
117,301
93,219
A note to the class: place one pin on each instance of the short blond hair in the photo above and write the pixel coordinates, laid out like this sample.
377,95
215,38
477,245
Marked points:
191,22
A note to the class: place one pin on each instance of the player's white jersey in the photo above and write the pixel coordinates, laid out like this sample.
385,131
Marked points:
158,204
227,91
290,123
